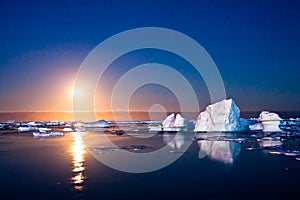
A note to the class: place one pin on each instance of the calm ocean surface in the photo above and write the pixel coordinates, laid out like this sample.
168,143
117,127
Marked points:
216,166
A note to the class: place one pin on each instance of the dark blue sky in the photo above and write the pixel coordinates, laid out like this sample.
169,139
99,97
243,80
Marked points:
255,45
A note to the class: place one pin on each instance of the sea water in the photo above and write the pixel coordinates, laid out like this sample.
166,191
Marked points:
215,165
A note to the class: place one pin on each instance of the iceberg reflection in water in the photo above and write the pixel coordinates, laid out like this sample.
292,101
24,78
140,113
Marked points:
222,151
177,141
78,168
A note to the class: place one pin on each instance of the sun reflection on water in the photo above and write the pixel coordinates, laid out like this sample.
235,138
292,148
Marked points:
78,161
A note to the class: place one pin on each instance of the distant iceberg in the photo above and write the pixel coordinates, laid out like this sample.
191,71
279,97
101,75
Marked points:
270,121
97,124
26,128
68,129
220,116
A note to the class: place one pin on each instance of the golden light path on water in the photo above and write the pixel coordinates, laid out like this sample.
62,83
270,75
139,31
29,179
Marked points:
78,152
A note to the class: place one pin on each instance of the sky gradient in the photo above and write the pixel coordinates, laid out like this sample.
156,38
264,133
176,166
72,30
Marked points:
255,45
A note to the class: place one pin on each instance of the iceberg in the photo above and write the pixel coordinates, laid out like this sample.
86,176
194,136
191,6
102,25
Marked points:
220,116
54,123
180,122
97,124
42,130
26,128
270,121
169,121
171,124
68,129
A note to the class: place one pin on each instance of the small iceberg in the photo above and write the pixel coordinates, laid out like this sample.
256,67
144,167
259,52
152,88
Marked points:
44,129
169,121
68,129
47,134
180,122
54,123
26,128
270,121
171,124
97,124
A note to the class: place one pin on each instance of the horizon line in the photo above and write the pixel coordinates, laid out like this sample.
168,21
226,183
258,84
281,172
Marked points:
99,111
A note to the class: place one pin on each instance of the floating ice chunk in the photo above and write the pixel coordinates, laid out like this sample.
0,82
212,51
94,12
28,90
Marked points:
266,115
27,128
67,129
42,130
155,128
47,134
172,124
221,116
256,127
169,121
291,125
270,121
180,121
97,124
54,123
34,124
10,122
